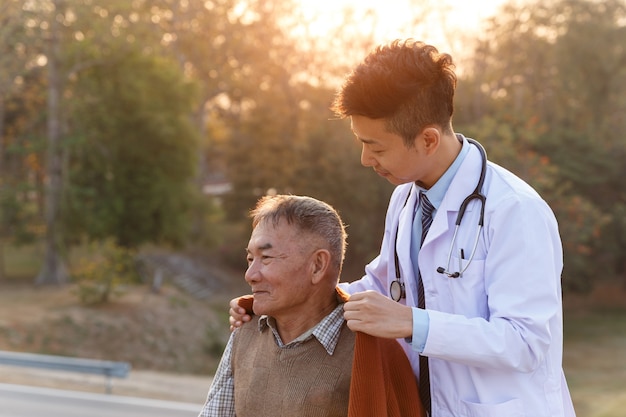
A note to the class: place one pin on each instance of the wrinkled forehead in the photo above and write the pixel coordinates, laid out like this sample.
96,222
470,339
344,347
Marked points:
268,234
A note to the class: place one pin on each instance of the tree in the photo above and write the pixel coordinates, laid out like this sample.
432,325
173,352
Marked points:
132,158
55,19
84,38
53,270
20,76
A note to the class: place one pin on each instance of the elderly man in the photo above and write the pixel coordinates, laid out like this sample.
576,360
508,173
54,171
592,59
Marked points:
296,358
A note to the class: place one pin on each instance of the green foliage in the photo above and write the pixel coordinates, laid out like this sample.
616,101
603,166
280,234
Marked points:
21,159
581,224
20,213
103,272
133,155
158,97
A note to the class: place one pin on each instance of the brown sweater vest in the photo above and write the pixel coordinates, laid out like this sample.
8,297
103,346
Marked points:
300,381
383,384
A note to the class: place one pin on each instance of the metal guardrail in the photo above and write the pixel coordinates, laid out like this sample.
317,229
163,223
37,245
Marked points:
109,369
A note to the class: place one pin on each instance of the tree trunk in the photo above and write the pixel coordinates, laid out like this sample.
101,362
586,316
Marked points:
2,231
53,269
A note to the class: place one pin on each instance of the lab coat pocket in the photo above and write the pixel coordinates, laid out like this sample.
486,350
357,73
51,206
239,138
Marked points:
511,408
467,292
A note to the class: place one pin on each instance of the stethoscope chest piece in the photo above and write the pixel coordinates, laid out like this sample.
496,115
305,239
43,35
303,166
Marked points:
396,290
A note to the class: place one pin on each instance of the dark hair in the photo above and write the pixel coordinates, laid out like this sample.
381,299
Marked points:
408,83
308,215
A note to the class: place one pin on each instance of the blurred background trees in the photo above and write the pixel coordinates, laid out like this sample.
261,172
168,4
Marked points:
162,122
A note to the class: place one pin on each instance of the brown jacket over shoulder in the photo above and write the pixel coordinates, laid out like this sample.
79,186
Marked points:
383,383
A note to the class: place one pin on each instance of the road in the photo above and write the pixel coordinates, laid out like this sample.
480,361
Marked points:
26,401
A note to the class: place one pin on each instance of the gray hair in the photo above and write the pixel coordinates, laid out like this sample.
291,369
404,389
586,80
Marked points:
308,215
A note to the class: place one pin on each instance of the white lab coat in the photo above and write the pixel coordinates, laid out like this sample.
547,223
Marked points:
496,336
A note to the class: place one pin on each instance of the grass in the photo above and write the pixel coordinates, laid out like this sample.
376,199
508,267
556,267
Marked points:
594,353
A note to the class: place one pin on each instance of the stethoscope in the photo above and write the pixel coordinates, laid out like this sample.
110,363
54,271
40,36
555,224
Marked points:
396,289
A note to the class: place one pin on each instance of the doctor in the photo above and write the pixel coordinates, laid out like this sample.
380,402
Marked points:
477,308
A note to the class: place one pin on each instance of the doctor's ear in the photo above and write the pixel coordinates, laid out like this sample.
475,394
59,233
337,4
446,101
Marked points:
431,138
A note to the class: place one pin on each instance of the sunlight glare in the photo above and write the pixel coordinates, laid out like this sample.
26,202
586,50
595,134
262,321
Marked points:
443,23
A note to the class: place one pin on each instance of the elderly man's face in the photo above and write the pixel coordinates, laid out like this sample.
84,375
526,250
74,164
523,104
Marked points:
278,269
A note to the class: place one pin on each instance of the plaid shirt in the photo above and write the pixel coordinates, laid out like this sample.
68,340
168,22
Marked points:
221,398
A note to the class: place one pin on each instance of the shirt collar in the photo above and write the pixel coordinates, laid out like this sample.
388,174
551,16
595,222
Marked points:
436,193
326,332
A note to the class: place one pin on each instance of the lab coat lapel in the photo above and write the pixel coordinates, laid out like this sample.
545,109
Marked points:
461,186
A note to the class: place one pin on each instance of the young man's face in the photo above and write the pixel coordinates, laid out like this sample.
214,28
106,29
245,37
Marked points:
387,154
278,271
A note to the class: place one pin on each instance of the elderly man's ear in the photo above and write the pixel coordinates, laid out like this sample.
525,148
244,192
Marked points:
320,263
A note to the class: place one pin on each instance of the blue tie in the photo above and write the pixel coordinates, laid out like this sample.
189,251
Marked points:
424,378
419,234
427,215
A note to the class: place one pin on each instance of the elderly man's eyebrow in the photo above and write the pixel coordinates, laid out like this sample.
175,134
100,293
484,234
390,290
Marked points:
262,247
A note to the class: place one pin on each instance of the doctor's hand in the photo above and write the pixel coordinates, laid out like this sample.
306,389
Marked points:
372,313
237,313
